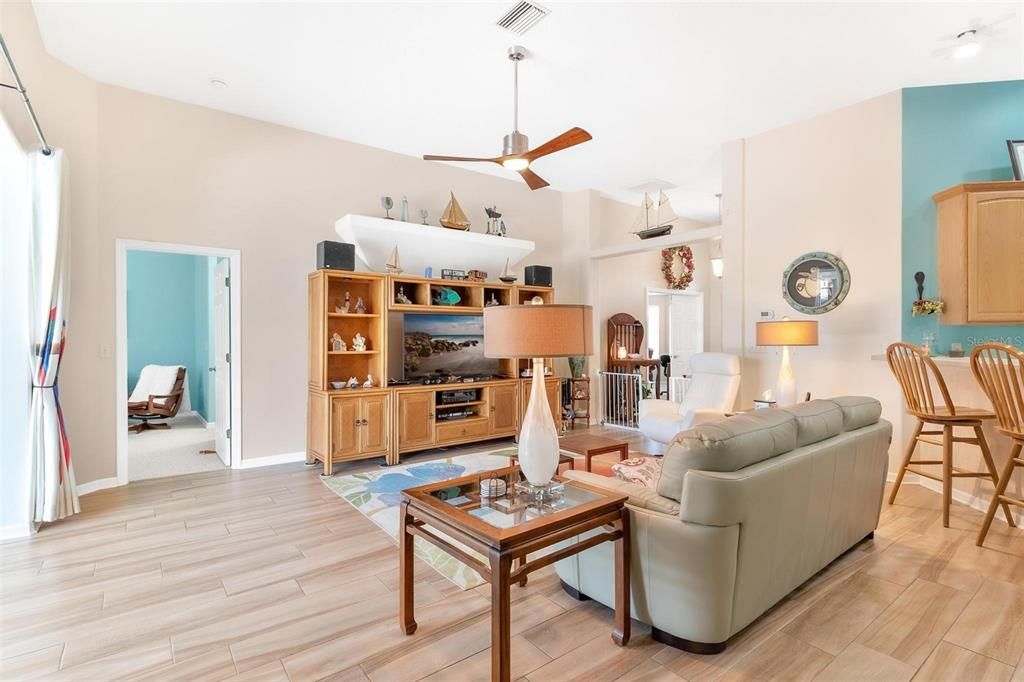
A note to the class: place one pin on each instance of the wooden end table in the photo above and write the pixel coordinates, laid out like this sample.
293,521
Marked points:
507,534
588,447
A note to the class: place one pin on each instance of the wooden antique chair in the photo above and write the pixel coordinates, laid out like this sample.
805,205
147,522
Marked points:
999,370
916,372
157,407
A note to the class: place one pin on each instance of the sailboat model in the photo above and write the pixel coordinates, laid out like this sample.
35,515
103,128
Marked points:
393,265
506,275
453,217
654,222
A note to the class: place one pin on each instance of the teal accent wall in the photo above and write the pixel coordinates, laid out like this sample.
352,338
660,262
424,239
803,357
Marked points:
169,319
951,134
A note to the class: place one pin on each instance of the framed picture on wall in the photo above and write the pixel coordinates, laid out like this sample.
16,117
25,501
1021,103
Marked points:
1016,148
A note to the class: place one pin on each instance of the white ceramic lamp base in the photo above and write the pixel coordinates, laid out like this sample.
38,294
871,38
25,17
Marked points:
538,436
785,386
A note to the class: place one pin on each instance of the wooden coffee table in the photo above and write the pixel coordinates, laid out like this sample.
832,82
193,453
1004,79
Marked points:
507,534
588,447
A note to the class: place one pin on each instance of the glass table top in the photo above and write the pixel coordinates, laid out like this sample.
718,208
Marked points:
507,500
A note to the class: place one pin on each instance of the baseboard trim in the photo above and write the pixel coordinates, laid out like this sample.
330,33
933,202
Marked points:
15,531
961,496
98,484
271,460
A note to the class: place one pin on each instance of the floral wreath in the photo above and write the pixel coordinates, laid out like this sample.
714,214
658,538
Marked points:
668,257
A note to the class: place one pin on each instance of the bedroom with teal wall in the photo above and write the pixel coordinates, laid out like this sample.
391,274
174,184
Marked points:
951,134
169,319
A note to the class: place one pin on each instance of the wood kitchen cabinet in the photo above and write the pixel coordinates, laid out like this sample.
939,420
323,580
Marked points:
981,253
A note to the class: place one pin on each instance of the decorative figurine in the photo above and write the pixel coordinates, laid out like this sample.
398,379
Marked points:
337,343
492,301
503,229
506,275
492,221
359,342
537,300
360,308
423,215
428,272
344,307
403,210
353,382
387,203
400,297
393,265
476,276
369,381
453,217
445,296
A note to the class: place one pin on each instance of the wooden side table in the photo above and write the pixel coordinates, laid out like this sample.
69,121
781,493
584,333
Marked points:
588,447
504,530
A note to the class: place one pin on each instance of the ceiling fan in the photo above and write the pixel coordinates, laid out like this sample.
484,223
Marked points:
516,153
968,42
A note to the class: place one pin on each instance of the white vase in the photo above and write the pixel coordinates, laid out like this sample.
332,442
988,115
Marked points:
538,437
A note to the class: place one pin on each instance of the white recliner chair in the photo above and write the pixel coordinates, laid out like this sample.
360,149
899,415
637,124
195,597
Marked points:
714,381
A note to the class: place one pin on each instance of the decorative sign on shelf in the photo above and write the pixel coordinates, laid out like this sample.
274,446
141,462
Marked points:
816,283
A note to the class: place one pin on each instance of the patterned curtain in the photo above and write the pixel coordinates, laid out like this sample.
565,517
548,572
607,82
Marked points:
53,479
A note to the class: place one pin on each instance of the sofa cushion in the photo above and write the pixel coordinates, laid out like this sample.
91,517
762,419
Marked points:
643,471
816,420
858,411
726,445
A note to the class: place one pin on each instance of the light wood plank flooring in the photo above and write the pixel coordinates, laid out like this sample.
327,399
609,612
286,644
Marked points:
266,575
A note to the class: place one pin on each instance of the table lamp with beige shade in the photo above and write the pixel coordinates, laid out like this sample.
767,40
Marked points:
537,332
786,333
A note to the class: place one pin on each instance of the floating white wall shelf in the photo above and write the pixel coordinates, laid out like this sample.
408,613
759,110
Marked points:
420,246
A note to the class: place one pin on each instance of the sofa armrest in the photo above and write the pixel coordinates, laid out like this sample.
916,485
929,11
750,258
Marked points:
666,409
697,417
639,496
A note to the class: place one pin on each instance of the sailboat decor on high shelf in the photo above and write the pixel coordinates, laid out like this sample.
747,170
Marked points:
453,217
393,265
646,225
506,275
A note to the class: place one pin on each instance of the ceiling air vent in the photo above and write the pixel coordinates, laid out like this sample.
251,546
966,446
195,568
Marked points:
522,17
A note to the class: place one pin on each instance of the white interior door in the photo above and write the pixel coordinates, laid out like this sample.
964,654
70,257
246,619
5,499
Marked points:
685,329
221,350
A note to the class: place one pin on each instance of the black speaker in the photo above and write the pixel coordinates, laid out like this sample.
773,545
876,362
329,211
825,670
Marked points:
335,256
538,276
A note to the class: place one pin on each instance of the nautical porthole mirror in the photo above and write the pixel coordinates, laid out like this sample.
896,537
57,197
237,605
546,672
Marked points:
816,283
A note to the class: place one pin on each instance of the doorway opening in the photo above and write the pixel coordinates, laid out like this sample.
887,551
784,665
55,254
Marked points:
177,359
675,320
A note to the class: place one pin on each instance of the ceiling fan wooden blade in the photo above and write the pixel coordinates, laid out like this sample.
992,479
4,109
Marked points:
532,179
435,157
570,138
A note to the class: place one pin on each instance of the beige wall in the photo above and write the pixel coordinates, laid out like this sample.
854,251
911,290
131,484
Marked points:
149,168
831,183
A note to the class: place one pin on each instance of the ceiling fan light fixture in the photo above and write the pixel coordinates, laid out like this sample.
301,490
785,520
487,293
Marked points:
968,45
516,164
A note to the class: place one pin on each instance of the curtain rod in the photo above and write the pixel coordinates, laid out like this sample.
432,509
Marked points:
20,89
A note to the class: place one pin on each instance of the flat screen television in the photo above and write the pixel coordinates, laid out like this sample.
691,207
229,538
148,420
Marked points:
445,344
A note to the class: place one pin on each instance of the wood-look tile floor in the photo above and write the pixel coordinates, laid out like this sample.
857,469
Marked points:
266,575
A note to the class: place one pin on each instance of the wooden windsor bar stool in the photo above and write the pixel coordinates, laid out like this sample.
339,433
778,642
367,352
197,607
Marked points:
999,370
916,372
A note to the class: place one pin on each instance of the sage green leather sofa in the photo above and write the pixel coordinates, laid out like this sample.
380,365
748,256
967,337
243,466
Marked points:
746,509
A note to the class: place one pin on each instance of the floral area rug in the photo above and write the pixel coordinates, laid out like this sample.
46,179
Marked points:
377,495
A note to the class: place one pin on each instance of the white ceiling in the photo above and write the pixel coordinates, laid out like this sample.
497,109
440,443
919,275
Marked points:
659,85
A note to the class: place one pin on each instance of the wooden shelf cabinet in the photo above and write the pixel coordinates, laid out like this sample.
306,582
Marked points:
347,425
981,253
420,414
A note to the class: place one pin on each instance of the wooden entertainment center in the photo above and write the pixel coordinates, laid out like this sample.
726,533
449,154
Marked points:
356,423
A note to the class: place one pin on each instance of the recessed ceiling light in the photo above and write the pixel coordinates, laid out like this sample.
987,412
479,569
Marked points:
218,84
967,45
